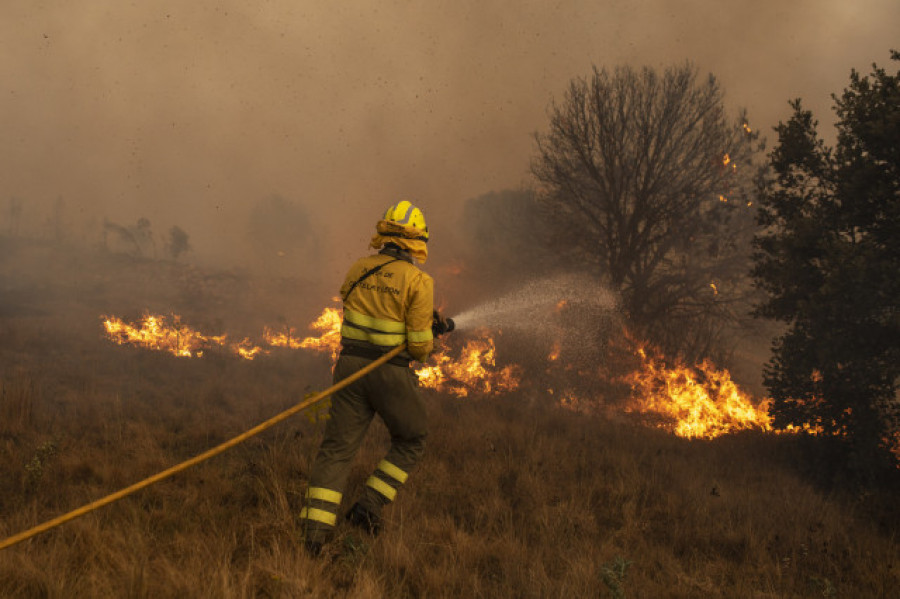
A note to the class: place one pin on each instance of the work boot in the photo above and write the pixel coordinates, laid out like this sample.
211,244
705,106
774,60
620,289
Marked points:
364,519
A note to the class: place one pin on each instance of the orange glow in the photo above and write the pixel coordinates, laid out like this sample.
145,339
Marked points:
726,159
747,128
894,447
454,269
474,371
554,352
694,401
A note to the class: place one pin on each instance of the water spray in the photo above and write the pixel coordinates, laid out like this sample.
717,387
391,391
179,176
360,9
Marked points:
529,306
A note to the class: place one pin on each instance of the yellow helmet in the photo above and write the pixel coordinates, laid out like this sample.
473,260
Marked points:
404,213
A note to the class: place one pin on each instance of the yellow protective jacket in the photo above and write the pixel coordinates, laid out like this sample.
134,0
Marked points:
391,307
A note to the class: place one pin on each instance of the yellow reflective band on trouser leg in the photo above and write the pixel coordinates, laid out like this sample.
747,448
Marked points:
382,487
311,513
398,475
323,494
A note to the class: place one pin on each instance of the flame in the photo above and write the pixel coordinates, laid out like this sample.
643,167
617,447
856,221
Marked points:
246,349
475,370
747,128
328,324
694,402
726,159
691,401
554,352
153,332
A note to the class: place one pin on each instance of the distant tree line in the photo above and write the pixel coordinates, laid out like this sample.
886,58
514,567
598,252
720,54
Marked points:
138,240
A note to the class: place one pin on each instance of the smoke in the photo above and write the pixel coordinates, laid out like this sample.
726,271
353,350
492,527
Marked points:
189,114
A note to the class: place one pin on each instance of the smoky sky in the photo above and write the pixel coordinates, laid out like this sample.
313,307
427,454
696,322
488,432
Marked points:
189,113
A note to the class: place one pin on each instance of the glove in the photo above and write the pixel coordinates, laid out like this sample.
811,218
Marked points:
440,325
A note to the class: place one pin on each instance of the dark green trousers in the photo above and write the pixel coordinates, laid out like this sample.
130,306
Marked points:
389,391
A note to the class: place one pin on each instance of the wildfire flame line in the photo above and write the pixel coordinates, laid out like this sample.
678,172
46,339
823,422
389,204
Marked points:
153,332
697,401
474,370
694,401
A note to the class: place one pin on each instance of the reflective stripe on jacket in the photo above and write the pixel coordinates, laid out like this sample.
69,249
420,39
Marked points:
391,307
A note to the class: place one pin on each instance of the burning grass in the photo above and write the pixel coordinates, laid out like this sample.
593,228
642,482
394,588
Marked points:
460,371
515,497
699,401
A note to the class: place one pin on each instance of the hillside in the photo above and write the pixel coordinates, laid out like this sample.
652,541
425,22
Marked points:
516,497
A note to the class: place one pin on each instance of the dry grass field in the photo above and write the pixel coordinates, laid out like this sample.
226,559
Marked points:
516,497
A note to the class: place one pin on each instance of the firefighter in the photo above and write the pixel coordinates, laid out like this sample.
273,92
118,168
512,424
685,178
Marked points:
388,301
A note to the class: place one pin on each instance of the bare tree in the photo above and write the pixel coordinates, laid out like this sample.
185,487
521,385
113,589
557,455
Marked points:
124,241
177,243
649,185
136,240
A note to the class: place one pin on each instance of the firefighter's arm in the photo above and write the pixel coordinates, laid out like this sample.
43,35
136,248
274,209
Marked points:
419,338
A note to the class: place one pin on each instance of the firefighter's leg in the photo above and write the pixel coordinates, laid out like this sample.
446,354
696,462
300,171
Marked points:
399,404
349,418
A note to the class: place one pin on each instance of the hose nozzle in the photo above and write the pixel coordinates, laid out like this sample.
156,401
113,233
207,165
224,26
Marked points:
441,325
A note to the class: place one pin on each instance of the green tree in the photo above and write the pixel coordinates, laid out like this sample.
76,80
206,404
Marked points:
829,261
648,183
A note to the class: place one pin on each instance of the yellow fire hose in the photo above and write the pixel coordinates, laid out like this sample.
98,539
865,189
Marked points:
22,536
